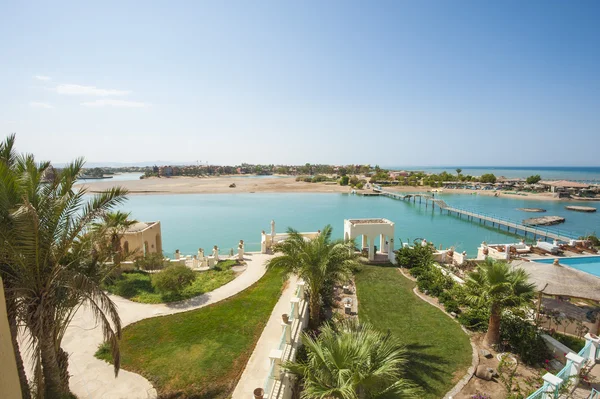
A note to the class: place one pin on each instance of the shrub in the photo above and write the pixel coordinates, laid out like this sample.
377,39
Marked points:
344,181
319,178
151,261
523,339
452,306
417,256
173,279
444,297
475,319
360,185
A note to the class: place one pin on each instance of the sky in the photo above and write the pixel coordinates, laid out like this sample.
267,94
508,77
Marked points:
388,82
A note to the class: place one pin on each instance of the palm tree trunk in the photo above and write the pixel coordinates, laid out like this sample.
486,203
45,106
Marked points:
14,331
492,337
315,311
53,385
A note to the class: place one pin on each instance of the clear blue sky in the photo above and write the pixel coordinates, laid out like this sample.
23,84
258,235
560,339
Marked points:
390,83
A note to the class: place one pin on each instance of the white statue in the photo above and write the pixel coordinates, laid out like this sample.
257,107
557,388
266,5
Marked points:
272,228
215,253
200,253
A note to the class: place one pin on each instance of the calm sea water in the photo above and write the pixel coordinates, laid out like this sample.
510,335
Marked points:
198,220
590,173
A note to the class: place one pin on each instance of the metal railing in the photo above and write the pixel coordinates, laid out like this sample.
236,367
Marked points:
594,394
540,392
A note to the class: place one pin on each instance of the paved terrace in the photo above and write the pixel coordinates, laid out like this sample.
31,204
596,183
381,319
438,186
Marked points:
93,378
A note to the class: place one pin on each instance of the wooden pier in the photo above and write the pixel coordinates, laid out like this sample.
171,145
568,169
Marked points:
536,232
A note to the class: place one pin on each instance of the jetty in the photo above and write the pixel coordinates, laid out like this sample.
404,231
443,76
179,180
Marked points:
496,221
581,208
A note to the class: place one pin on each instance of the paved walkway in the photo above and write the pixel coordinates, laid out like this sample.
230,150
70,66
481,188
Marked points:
93,378
259,363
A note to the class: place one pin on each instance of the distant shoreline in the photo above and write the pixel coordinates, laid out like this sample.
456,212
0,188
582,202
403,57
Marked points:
220,185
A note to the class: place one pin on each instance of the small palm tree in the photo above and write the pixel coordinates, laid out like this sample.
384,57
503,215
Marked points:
317,262
353,361
113,225
458,170
497,286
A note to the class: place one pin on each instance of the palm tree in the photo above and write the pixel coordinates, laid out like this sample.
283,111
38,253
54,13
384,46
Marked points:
10,197
497,286
317,262
353,361
113,225
52,262
458,170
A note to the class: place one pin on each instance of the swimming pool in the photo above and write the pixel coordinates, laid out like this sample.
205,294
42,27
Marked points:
589,264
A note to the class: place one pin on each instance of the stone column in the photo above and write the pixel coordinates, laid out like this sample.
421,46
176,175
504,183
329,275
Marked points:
595,349
371,248
215,253
576,365
364,242
381,243
301,286
177,254
296,303
275,356
553,384
391,255
287,329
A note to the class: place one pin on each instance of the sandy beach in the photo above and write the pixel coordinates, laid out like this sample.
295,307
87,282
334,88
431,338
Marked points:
220,185
217,185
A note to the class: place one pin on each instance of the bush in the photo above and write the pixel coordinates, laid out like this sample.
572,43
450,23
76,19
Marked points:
417,256
318,179
452,306
523,339
360,185
475,319
173,279
344,181
153,261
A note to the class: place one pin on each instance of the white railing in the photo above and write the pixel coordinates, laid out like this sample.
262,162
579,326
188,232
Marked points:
297,318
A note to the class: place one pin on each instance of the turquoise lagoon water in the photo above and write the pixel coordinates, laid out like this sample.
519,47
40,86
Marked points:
589,264
190,221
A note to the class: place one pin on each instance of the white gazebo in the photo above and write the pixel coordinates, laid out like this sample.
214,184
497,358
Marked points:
370,230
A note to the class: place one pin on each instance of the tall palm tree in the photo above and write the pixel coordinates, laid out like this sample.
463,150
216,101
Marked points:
8,200
497,286
353,361
316,261
51,262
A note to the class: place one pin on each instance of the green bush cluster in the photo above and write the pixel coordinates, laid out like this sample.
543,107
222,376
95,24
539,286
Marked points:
151,261
173,279
417,256
524,339
574,343
344,180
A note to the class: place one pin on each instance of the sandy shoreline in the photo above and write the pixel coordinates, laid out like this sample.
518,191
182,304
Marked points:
220,185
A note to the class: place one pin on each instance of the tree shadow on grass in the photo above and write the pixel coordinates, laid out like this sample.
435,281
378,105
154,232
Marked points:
422,364
212,393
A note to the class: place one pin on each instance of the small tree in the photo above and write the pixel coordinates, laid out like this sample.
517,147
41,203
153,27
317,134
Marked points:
533,179
458,171
173,279
344,181
488,178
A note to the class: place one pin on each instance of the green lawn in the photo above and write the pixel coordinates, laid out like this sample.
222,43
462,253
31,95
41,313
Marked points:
439,351
201,353
137,285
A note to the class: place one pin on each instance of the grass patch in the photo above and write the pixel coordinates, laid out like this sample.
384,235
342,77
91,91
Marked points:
137,285
203,352
439,351
574,343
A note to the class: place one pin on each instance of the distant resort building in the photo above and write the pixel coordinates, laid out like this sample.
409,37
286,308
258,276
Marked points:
142,238
565,185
